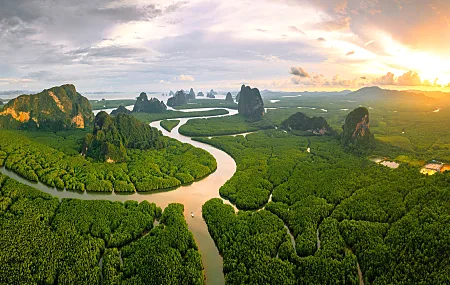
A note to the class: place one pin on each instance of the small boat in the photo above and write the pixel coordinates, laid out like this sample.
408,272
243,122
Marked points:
192,214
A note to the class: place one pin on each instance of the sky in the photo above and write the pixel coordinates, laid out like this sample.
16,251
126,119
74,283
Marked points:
162,45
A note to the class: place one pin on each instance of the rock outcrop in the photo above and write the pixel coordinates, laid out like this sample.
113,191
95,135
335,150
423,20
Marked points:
120,110
211,94
356,130
191,95
113,135
178,99
229,98
171,93
311,126
251,104
200,94
238,96
144,105
57,108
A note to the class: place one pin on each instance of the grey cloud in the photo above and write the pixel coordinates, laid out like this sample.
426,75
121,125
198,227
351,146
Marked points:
109,52
336,24
128,13
321,39
296,30
299,71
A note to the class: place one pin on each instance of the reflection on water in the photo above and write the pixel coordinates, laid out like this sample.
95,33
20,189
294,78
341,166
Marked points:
191,196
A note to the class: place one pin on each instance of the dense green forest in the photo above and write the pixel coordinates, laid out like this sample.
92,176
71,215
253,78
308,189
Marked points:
168,125
229,125
110,104
47,241
392,222
144,171
113,136
151,117
208,103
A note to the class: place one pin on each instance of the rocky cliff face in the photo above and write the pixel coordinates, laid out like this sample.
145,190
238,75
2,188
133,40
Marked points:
144,105
356,130
229,98
191,95
178,99
314,126
250,103
113,135
57,108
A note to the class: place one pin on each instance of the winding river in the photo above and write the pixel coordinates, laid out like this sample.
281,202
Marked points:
191,196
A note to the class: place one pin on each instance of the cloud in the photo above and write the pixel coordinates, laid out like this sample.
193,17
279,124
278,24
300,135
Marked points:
15,80
387,79
128,13
299,71
369,42
296,30
321,39
410,78
350,53
261,30
302,77
114,51
336,24
185,77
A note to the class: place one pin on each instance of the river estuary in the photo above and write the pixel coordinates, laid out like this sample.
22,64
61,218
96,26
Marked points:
191,196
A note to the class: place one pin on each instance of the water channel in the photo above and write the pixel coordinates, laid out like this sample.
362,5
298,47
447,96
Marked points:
191,196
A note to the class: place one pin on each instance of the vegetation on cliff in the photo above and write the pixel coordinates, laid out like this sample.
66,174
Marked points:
229,98
356,135
55,109
178,99
112,136
144,105
307,125
120,110
250,105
